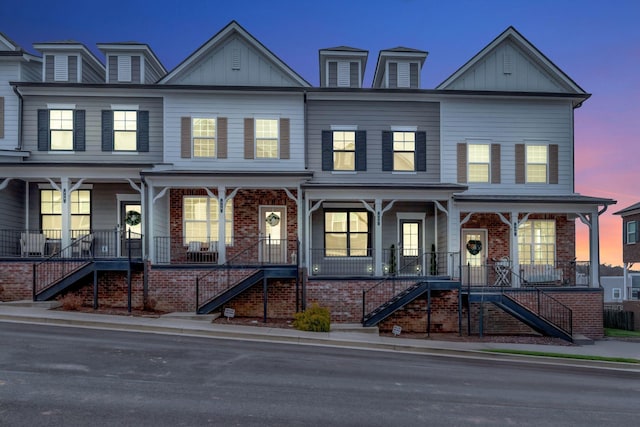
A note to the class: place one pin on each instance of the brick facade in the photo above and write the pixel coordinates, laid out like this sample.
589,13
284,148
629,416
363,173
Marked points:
630,251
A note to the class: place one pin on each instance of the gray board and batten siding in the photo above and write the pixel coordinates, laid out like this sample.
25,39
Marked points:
13,200
93,107
374,117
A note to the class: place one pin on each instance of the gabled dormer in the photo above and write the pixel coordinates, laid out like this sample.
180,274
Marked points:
131,62
511,63
69,62
26,67
342,66
399,68
233,57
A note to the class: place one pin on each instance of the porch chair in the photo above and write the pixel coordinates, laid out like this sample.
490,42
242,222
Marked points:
32,243
82,246
193,250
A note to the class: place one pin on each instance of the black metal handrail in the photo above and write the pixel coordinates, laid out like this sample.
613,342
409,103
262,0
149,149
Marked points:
80,252
401,280
544,306
243,264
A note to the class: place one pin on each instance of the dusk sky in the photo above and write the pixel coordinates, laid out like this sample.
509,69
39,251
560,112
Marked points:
597,43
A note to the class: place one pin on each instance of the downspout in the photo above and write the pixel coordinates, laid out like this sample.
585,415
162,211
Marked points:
21,112
306,133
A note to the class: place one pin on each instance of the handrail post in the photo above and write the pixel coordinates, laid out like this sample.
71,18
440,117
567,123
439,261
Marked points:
197,293
34,280
363,302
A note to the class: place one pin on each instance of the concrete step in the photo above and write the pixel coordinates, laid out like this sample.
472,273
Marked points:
354,327
580,339
46,305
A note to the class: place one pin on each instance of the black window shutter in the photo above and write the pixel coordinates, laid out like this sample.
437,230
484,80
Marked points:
421,151
387,150
361,150
143,131
107,130
43,130
78,130
327,150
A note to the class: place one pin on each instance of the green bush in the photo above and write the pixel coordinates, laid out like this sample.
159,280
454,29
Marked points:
314,319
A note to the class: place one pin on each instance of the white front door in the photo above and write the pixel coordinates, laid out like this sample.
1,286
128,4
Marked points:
273,234
474,256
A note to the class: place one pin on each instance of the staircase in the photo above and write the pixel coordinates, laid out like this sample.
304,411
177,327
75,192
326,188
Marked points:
532,307
404,297
223,293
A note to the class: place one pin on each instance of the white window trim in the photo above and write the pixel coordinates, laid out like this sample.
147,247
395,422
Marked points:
344,127
61,106
255,138
627,233
215,137
479,141
527,143
125,107
404,128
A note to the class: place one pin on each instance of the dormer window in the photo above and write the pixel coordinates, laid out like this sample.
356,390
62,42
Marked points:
124,68
403,75
61,68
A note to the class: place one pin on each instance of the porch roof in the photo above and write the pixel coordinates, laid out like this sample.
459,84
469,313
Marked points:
519,198
383,186
240,174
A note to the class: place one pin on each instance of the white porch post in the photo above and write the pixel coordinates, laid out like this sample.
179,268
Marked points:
594,250
222,229
65,238
377,264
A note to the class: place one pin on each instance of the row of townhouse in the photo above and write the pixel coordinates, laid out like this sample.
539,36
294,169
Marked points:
231,182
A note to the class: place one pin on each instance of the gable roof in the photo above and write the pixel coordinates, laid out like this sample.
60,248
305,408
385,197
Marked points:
144,48
232,29
6,44
399,52
521,46
66,46
629,210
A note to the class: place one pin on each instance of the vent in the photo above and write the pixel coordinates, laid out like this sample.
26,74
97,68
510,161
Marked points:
124,68
403,74
235,59
344,74
507,63
61,68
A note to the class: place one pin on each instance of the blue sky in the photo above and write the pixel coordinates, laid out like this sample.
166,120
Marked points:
597,43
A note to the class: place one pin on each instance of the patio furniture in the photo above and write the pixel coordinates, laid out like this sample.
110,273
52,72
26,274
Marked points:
82,246
32,243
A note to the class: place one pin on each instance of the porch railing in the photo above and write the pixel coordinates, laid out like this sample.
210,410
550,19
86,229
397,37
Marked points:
243,263
501,273
241,250
44,243
338,262
544,306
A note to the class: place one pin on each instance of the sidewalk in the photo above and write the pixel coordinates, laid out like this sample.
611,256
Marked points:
190,324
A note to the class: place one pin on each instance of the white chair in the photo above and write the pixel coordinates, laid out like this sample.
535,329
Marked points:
32,243
82,246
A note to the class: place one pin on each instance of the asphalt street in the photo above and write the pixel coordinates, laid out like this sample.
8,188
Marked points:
58,376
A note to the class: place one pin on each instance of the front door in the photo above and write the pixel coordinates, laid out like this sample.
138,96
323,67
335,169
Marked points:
131,225
273,234
474,259
411,253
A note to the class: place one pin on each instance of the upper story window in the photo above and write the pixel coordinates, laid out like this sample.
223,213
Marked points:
479,159
201,219
61,129
344,149
632,232
204,137
125,130
404,151
266,138
537,163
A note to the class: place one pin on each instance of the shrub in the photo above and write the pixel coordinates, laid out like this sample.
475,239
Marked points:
314,319
71,302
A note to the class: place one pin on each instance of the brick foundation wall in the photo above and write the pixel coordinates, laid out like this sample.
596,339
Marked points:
16,281
494,321
413,316
587,306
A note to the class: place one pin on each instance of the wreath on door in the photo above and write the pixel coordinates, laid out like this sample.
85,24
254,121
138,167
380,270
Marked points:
133,218
474,247
273,219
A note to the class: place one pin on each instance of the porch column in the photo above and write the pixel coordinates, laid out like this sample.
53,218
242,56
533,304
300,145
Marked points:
513,248
65,237
377,263
594,250
222,234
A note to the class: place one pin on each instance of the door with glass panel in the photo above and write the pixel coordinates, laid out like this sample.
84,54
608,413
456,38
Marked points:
273,234
474,259
410,252
131,238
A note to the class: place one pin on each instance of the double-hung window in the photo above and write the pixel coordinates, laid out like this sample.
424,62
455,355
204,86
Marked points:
204,137
537,163
125,130
266,138
346,233
537,242
344,150
632,232
51,212
479,159
61,129
201,218
404,151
